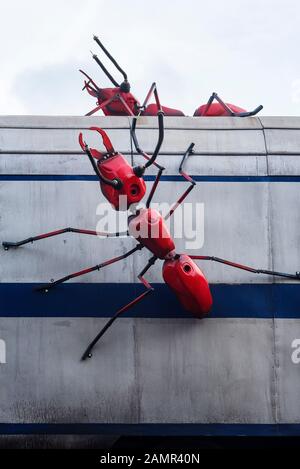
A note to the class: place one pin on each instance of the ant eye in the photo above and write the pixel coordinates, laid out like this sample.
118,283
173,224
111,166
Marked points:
134,190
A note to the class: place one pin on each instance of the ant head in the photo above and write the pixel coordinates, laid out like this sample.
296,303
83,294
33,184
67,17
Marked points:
125,86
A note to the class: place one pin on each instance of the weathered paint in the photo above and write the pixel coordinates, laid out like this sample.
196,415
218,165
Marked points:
160,371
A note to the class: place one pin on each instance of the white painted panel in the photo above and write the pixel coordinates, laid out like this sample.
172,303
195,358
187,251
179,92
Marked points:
56,163
205,371
142,371
280,122
66,140
287,331
57,140
206,141
215,123
63,122
285,226
32,208
45,380
57,122
211,165
283,141
284,165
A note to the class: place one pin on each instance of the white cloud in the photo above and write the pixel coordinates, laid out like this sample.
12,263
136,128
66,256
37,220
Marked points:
246,50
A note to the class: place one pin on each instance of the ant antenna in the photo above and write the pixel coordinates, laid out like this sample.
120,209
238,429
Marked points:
109,76
125,86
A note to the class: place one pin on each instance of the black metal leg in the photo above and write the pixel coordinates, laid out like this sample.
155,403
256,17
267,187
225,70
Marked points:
253,270
88,352
227,108
160,116
96,39
187,177
10,244
48,286
154,187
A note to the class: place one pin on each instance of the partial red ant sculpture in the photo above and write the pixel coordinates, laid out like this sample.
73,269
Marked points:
221,109
117,177
149,228
118,101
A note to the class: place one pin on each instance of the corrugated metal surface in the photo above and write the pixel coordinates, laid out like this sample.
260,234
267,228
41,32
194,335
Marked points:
229,369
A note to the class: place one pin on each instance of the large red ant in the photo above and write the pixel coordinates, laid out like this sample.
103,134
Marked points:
180,272
118,101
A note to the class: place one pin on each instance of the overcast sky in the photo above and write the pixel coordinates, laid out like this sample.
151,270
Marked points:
246,50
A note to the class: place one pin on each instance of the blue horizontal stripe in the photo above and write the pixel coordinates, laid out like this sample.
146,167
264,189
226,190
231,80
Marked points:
149,429
103,299
171,178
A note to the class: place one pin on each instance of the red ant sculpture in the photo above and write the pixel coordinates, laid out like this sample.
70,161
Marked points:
119,101
221,109
115,174
179,271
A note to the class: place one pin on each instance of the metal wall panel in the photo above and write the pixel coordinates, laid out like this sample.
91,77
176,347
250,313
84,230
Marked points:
144,371
221,370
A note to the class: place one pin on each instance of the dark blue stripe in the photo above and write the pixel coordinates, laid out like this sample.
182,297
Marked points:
103,299
198,178
149,429
47,177
175,178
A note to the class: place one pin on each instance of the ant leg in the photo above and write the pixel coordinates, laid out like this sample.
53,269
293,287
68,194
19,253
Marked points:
253,270
96,39
213,97
188,178
154,187
227,108
149,289
104,69
108,101
152,90
160,116
9,244
47,287
87,83
96,109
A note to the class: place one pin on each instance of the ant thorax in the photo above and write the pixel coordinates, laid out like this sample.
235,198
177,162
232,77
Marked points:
149,228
